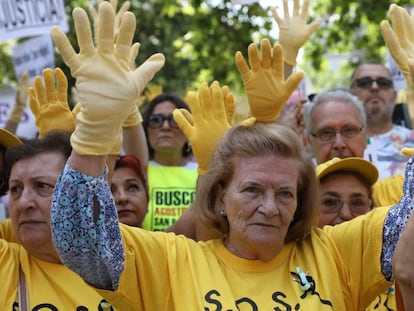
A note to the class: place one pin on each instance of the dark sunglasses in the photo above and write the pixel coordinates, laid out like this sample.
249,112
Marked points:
157,120
366,83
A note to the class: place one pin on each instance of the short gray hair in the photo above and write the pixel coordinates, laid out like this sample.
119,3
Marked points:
334,95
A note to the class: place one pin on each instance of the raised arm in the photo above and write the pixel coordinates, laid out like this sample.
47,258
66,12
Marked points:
264,83
294,31
16,113
84,218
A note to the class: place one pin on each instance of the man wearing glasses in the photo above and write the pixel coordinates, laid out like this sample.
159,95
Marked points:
372,83
336,125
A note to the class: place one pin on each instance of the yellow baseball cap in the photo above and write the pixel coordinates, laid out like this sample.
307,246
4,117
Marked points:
8,139
353,164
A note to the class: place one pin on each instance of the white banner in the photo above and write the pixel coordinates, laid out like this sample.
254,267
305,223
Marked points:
27,127
33,56
26,18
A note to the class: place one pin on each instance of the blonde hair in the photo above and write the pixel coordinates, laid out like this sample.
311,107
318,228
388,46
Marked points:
253,141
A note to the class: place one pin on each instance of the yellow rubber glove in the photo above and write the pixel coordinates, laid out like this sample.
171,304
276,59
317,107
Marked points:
49,104
114,3
400,40
22,93
206,123
408,152
293,30
264,83
107,86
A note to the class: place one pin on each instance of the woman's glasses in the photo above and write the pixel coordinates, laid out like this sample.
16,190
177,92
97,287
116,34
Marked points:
155,121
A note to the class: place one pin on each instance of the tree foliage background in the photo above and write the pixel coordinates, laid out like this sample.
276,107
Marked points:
200,38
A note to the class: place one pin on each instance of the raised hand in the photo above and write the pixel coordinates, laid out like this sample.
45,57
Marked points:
293,29
264,83
108,86
400,40
207,122
49,104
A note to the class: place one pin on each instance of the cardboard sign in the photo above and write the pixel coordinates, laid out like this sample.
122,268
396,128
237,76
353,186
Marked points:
33,56
27,18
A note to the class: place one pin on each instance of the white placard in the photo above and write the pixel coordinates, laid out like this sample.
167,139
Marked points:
27,18
27,127
33,56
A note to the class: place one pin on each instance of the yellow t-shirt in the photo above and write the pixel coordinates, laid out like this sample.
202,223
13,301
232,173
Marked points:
172,190
50,286
168,272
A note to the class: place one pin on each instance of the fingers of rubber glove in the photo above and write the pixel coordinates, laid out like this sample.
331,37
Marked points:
296,7
217,103
133,53
314,25
229,103
49,79
62,86
266,50
76,109
187,115
83,32
285,8
183,122
276,16
40,92
305,8
65,49
392,42
106,32
197,105
254,59
125,37
409,152
34,107
277,64
248,121
400,22
292,83
242,66
124,8
147,70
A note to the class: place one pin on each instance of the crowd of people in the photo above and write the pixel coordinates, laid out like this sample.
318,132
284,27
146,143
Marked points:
306,207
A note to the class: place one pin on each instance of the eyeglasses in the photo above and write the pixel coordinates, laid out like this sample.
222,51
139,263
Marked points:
366,83
328,134
155,121
357,206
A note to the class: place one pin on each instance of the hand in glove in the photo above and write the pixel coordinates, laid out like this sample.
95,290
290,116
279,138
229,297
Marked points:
114,3
293,30
400,40
206,123
49,104
107,86
22,93
264,83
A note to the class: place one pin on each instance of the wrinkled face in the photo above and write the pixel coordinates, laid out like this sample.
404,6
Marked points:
343,197
259,202
31,187
129,194
378,97
337,116
165,137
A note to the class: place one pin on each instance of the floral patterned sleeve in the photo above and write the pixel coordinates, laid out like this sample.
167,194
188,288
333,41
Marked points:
396,220
89,244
